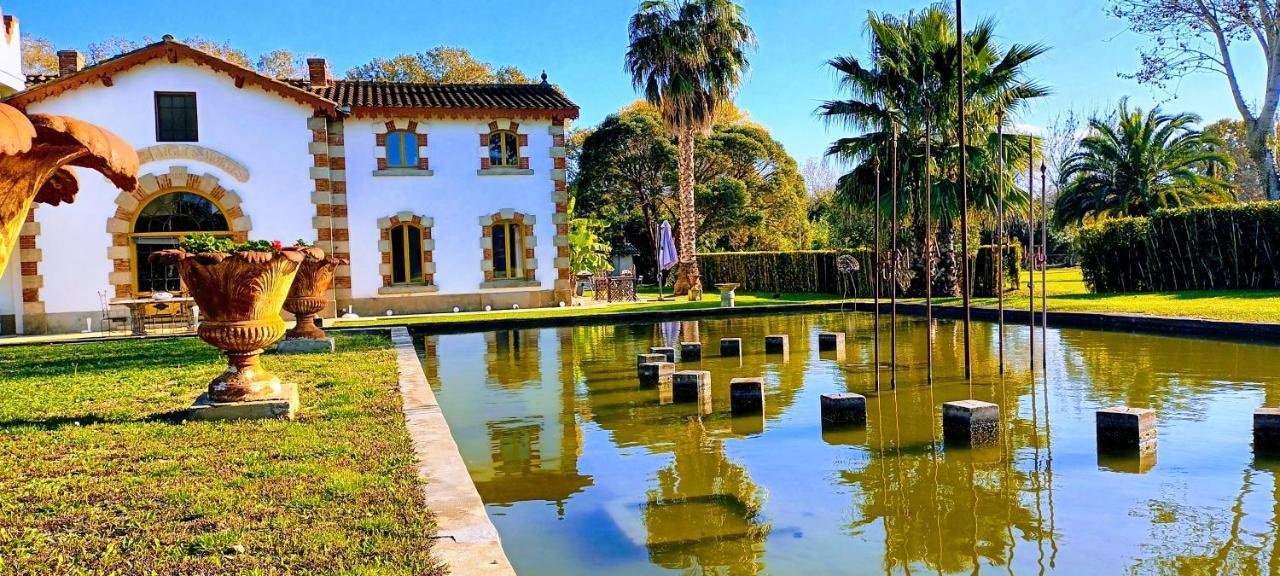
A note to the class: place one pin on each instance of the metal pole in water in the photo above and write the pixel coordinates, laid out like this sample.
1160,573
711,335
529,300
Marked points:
875,273
928,237
1044,268
1000,232
964,196
893,267
1031,242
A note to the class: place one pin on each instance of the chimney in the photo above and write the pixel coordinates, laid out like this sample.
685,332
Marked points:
318,70
69,62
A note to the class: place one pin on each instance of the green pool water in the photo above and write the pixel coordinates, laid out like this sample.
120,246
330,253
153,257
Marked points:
585,471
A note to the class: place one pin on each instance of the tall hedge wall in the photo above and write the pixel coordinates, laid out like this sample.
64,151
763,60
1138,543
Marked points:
800,271
1202,248
815,271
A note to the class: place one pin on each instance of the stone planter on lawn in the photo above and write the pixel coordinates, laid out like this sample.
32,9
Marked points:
308,297
240,295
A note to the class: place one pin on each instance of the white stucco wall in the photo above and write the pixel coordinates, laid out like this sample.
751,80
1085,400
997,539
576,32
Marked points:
11,77
455,196
263,131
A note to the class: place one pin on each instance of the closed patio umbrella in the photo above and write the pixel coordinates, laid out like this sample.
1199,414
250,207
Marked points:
667,257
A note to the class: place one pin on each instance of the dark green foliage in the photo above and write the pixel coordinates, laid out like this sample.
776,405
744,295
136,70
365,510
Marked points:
984,264
799,271
1199,248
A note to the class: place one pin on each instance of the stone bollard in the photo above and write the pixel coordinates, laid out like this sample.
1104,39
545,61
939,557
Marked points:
844,409
1124,429
746,395
647,358
777,344
654,373
667,351
730,346
690,351
831,341
691,386
1266,431
971,422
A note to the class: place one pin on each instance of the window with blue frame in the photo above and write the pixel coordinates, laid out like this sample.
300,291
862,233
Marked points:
402,149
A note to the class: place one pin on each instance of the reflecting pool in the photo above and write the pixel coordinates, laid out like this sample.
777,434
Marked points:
584,471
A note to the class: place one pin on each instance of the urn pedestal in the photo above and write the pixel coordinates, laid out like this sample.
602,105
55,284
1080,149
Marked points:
240,296
308,297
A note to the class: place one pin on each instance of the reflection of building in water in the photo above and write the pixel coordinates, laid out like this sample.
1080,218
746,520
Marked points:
517,432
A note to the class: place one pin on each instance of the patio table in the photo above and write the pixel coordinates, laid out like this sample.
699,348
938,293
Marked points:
138,309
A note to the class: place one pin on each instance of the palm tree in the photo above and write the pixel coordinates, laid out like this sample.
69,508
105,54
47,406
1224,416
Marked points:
689,57
911,76
1141,162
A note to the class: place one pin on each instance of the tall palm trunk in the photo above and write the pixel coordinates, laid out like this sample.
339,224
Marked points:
689,281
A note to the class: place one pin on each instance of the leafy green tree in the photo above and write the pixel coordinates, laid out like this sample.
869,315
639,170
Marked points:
442,64
910,77
1144,161
586,250
1244,174
281,64
688,56
623,175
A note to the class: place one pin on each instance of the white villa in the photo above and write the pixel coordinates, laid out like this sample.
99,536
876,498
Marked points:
440,195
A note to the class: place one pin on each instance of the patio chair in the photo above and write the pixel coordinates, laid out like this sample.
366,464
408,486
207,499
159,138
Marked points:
111,316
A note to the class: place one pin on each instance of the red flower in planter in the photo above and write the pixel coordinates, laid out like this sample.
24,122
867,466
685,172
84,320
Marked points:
276,245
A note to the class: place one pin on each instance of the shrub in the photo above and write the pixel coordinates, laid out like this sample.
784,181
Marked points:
1221,247
799,271
984,264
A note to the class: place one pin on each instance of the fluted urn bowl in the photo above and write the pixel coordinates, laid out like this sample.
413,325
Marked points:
240,295
309,294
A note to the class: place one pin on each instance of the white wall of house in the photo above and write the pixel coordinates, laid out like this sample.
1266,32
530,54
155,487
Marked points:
264,132
454,196
11,77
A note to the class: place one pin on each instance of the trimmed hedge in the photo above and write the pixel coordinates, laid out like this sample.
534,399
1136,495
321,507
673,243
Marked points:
799,271
815,271
984,265
1226,247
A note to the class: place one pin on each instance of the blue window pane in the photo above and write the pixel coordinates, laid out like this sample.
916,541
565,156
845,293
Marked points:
495,149
410,149
513,150
394,146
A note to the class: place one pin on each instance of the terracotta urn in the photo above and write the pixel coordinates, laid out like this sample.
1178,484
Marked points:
240,295
309,294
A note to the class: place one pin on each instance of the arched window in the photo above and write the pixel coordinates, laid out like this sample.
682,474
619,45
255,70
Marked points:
406,254
504,149
159,226
508,250
402,149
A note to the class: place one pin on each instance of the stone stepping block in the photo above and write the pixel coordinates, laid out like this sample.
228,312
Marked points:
971,422
691,386
845,408
1124,429
1266,431
746,395
655,373
648,358
777,344
730,346
830,341
667,351
690,351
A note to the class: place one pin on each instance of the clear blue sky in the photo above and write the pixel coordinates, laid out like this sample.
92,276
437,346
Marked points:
581,44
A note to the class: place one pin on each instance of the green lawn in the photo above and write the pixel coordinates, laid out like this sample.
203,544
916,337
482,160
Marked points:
100,474
709,301
1067,293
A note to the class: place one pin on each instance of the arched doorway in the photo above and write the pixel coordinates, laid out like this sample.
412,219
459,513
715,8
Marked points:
159,225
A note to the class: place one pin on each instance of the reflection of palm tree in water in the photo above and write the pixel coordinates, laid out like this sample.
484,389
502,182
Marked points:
705,512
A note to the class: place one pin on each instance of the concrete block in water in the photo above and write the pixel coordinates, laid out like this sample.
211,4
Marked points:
777,344
846,408
971,422
691,386
1266,431
654,373
647,358
746,395
830,341
1124,429
690,351
730,346
667,351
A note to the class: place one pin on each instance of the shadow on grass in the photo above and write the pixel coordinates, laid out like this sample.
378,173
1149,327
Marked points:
170,417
